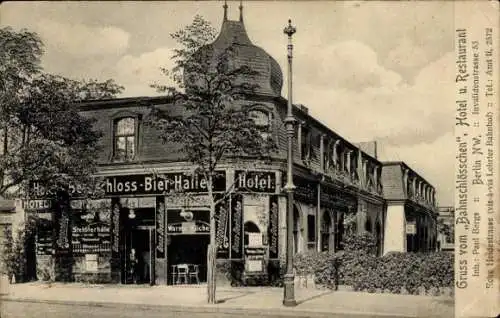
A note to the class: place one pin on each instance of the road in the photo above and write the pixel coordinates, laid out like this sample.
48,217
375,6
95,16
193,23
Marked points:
15,309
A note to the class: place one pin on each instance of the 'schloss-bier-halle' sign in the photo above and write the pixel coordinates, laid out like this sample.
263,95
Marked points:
164,183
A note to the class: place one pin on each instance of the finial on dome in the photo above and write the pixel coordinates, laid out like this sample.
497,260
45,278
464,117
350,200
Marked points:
241,11
225,10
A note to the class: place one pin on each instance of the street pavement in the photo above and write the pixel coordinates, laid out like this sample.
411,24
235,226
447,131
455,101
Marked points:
103,300
15,309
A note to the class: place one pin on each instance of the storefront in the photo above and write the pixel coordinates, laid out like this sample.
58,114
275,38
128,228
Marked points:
148,225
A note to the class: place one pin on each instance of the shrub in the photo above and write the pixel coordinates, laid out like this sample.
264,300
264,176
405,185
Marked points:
395,271
367,272
13,252
276,271
232,271
323,265
364,242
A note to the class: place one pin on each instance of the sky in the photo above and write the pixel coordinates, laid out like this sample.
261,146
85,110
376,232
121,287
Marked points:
368,70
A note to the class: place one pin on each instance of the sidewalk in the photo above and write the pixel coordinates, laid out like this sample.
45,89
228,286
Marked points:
264,300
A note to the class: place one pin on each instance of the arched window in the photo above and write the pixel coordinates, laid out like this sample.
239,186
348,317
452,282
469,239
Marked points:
262,120
124,132
252,232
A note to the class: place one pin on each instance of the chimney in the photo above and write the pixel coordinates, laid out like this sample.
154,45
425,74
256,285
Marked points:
303,108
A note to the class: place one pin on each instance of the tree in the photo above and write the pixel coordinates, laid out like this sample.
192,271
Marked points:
214,124
446,229
43,137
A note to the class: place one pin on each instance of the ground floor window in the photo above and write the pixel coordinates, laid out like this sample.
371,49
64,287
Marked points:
311,231
326,227
296,229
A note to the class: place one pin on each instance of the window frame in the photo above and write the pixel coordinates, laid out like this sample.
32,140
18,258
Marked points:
264,129
305,143
114,125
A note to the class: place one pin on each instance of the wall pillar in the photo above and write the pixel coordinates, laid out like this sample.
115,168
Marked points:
361,216
394,229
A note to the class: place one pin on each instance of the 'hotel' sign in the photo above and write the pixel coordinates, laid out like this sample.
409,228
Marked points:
255,181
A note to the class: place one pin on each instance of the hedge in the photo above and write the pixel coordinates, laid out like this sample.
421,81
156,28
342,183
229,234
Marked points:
363,271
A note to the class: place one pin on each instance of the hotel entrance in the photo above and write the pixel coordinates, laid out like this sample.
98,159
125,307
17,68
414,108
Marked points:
138,257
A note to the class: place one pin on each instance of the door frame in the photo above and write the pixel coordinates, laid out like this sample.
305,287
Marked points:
152,250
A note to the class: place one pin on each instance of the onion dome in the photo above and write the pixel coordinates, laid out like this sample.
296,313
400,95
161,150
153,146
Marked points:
269,78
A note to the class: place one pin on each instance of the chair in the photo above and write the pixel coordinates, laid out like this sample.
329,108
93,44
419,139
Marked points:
194,273
174,274
182,272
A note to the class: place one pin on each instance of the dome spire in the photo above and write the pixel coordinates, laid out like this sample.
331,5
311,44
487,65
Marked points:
241,10
225,10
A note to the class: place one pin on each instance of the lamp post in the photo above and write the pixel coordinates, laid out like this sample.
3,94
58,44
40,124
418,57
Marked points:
289,288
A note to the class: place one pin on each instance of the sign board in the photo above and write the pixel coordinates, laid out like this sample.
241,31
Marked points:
37,204
188,222
222,227
160,227
91,263
411,228
254,265
93,238
236,217
273,227
255,181
162,184
44,240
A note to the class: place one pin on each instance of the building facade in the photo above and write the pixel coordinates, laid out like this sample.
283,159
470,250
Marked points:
154,214
411,222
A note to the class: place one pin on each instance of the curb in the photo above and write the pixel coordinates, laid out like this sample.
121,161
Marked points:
275,312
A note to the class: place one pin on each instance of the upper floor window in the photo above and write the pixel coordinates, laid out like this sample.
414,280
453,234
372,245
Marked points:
263,122
305,144
125,138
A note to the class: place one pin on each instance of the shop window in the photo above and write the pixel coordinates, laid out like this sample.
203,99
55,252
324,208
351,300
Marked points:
368,226
262,120
311,231
296,229
325,231
339,234
125,138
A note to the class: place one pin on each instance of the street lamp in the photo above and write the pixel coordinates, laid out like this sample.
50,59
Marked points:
289,288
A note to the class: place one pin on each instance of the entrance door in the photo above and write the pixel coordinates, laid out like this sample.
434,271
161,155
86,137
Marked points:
140,255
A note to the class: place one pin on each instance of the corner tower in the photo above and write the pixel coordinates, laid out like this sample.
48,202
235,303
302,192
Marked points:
269,79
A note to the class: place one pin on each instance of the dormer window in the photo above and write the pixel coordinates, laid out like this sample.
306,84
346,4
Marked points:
262,120
125,138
